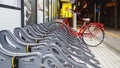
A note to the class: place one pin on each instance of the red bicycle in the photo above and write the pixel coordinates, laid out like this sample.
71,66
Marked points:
91,34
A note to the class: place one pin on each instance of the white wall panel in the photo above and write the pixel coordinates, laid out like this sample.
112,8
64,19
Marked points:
9,18
15,3
39,11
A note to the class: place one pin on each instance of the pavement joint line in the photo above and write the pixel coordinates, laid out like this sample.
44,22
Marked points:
115,50
112,34
106,58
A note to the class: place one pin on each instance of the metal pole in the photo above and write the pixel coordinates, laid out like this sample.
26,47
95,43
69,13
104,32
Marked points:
75,21
95,12
99,13
116,16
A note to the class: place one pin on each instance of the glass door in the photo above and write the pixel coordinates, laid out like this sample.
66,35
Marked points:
39,11
46,12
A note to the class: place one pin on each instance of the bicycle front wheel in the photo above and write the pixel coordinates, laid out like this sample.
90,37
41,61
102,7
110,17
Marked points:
93,36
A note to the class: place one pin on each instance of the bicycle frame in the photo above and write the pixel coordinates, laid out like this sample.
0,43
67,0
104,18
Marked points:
79,34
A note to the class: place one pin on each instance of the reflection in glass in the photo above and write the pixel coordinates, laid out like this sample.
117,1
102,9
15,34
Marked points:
46,11
27,11
50,4
39,11
55,7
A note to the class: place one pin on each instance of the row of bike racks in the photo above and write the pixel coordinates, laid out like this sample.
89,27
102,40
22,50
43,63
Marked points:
44,46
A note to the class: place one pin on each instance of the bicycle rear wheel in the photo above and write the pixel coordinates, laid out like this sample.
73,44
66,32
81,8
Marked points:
93,36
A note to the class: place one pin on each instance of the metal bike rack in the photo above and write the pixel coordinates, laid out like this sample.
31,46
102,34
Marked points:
19,60
15,45
82,54
46,58
67,59
18,32
59,48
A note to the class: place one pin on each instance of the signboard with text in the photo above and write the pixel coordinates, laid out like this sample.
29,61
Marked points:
65,11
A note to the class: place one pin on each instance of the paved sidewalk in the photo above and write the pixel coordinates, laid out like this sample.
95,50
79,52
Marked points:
108,58
108,53
112,39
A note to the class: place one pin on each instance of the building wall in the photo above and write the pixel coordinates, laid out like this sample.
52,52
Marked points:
9,18
10,14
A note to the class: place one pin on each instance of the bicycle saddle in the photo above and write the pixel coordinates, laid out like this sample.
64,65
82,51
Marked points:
86,19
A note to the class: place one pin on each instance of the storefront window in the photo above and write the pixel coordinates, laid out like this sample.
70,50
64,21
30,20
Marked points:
53,10
55,7
46,12
39,11
50,10
29,12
